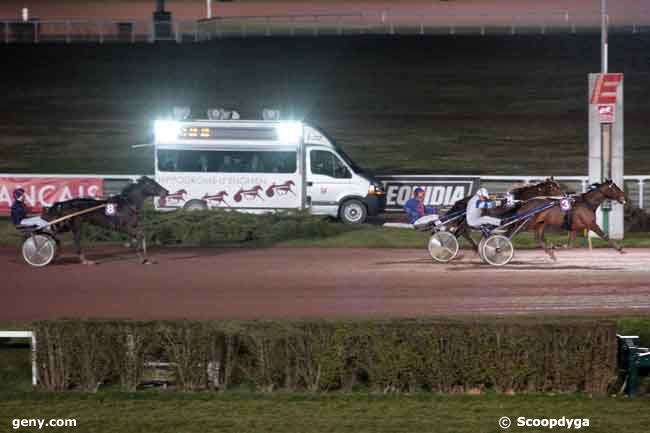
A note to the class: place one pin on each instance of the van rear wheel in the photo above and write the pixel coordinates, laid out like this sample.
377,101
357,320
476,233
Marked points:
353,212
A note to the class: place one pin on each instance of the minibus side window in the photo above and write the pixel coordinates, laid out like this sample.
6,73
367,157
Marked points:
327,164
226,161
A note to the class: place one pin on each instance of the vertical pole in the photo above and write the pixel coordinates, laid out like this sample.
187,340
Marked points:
605,128
606,170
6,26
632,372
603,36
303,168
34,361
641,192
208,5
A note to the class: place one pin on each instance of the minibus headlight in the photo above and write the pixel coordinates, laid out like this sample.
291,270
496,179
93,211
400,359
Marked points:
376,188
166,130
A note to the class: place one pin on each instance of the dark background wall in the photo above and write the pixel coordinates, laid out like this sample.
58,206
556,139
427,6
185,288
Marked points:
443,104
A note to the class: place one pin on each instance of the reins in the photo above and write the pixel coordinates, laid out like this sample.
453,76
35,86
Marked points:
74,214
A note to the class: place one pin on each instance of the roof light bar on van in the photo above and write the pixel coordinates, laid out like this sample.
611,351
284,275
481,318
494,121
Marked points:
166,130
289,132
181,113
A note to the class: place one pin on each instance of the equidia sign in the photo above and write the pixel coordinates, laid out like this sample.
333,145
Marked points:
439,191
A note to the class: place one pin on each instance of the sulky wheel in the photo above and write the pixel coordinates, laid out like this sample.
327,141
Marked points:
498,250
443,247
39,250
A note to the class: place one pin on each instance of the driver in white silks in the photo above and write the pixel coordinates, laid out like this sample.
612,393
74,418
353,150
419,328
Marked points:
480,200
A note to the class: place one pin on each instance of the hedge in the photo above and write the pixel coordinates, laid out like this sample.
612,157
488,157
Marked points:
218,227
381,355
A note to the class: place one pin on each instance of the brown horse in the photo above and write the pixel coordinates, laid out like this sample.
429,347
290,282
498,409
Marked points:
581,216
548,188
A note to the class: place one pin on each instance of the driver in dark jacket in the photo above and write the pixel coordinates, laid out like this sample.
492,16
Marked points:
19,212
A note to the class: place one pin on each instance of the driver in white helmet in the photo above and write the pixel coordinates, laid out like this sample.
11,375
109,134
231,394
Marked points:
481,200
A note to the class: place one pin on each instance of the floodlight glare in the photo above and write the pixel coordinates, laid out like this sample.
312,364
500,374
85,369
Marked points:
269,114
181,113
289,132
166,130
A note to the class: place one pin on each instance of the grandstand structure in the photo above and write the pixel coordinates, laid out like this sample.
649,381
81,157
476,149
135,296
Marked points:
312,25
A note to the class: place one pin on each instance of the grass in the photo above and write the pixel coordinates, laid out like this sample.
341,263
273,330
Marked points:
159,412
441,105
244,411
379,237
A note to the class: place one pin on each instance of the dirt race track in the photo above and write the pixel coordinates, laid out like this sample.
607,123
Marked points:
310,282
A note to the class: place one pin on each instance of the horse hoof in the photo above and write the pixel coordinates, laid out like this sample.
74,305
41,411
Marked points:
148,262
88,262
621,251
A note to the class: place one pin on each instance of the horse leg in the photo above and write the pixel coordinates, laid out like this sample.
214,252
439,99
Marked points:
76,233
141,246
465,234
539,236
596,229
572,238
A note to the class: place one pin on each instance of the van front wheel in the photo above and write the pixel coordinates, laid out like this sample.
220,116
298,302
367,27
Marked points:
353,212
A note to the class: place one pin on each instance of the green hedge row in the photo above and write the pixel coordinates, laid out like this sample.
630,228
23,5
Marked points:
211,227
217,227
380,355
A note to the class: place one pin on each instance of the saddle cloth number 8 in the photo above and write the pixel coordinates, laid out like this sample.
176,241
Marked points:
111,209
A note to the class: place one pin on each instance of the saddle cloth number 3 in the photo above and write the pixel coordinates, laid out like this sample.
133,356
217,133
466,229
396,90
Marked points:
111,209
565,204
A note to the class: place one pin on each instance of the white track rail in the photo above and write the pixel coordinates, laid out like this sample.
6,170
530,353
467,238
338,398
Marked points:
32,338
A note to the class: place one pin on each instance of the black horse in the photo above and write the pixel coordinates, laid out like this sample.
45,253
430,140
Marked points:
548,188
119,213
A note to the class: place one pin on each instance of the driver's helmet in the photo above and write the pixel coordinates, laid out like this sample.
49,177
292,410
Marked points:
18,193
483,192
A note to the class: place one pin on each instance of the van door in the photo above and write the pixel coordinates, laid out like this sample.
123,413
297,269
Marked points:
328,180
